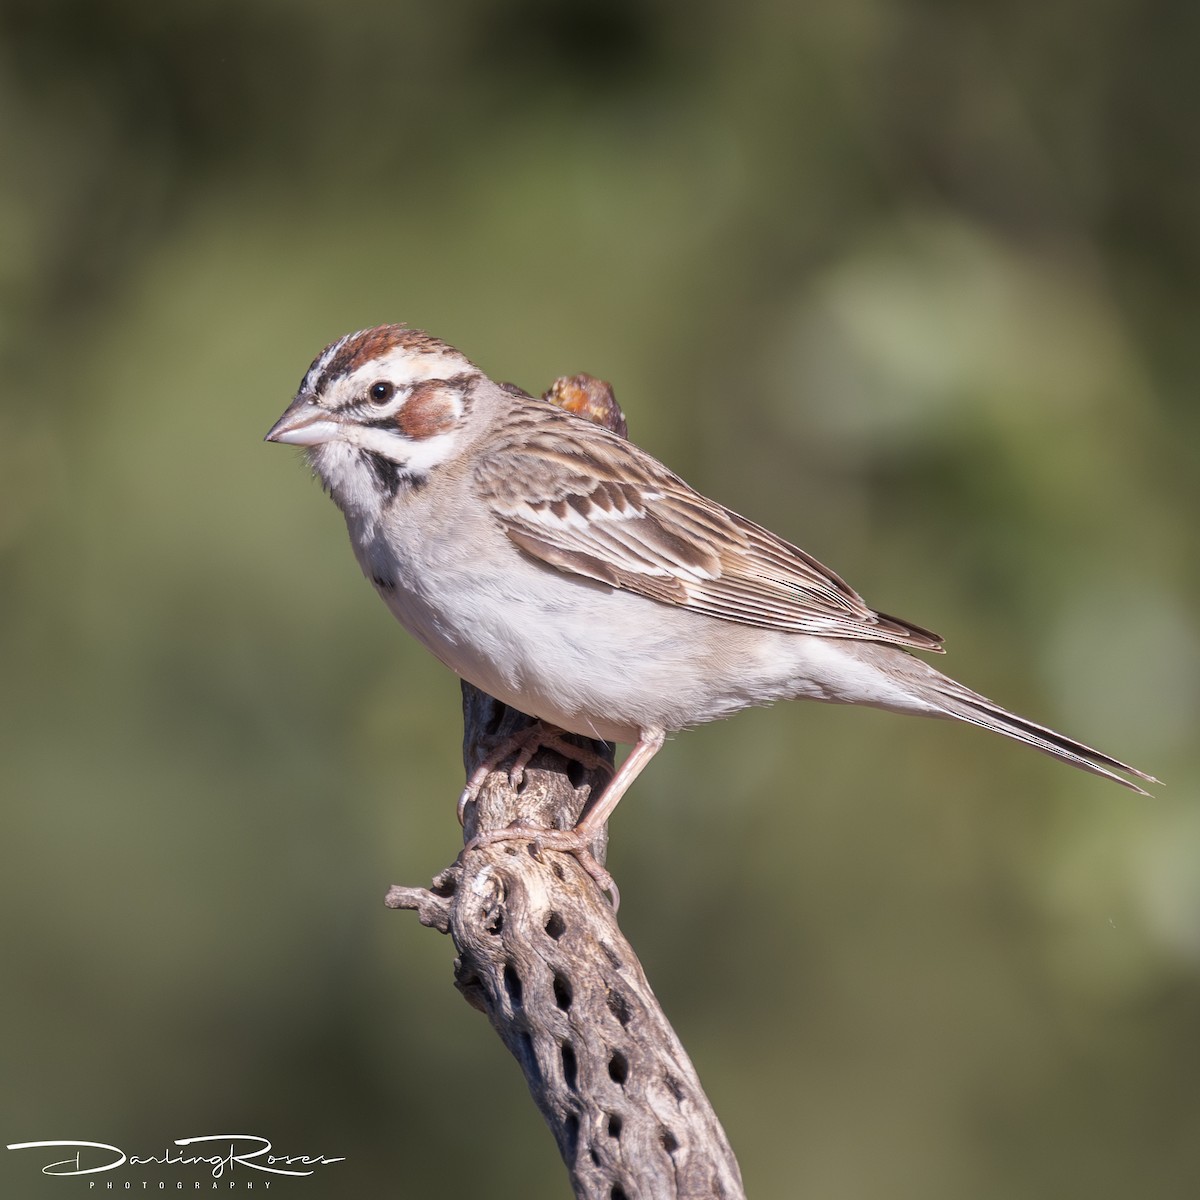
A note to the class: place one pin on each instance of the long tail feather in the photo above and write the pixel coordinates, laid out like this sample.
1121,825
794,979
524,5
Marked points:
965,705
939,695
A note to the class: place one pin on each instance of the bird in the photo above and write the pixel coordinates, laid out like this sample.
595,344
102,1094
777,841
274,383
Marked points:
567,572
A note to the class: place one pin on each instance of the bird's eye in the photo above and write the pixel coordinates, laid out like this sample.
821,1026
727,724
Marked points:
381,393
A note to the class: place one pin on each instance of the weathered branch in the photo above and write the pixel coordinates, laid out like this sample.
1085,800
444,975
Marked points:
540,953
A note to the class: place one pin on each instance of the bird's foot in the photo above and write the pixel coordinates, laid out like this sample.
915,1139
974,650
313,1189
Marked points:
525,745
570,841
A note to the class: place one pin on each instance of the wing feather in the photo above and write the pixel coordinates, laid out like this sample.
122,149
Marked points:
589,503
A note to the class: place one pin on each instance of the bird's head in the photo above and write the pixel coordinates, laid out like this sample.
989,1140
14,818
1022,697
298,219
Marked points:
378,410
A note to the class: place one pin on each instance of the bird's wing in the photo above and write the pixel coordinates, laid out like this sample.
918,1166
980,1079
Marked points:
588,503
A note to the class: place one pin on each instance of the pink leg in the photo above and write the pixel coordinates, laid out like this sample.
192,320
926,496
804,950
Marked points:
576,841
648,745
525,745
547,738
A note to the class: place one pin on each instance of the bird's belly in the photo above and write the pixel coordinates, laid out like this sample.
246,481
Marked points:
590,659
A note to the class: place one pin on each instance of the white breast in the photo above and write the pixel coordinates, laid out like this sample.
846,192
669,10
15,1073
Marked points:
589,658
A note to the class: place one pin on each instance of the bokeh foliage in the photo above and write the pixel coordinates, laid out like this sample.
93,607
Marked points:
912,283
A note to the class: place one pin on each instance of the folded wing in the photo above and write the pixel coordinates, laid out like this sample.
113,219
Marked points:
588,503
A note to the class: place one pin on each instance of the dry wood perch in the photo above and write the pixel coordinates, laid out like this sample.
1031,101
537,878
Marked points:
540,953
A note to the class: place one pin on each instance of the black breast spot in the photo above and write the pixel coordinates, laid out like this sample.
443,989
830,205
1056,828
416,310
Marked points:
386,472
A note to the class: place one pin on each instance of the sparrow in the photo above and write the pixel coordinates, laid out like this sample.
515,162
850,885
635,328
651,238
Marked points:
567,572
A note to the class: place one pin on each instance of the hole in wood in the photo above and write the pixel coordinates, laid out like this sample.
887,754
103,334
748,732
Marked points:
615,1125
675,1087
618,1007
614,959
495,923
563,993
558,871
618,1067
618,1193
571,1129
670,1143
570,1067
513,985
555,926
529,1059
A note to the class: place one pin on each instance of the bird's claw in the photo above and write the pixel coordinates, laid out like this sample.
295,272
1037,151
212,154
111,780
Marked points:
566,840
525,745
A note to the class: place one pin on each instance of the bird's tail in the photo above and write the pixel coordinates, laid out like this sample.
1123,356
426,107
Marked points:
939,695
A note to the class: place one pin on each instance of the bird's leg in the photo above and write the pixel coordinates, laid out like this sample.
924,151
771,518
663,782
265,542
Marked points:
546,737
649,743
577,841
525,744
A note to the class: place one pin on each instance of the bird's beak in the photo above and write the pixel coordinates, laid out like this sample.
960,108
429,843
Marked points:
304,423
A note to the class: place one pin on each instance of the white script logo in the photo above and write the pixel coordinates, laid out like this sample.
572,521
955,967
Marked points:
234,1150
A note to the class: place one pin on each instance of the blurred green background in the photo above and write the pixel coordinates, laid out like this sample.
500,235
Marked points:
914,284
